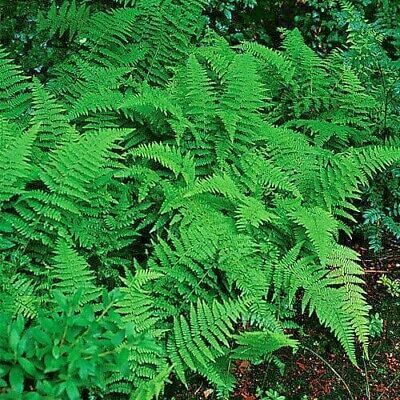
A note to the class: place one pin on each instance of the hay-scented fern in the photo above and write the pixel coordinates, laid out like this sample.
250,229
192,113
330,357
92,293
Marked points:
159,191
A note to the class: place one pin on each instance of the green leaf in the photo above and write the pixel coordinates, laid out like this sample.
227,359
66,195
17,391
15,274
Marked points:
32,396
14,339
28,367
72,390
40,336
61,300
51,363
118,338
6,244
17,379
56,352
5,226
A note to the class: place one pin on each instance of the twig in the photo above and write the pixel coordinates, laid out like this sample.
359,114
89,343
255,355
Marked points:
376,271
198,390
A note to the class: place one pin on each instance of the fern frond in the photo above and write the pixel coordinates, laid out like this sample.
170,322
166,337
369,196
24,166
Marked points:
69,17
14,94
197,341
79,164
320,228
259,170
71,272
216,184
195,92
137,304
273,61
328,302
312,80
49,117
243,97
258,346
347,272
20,297
15,168
374,159
152,388
169,157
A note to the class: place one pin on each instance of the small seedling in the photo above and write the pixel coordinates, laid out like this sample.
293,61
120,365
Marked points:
270,394
392,285
376,326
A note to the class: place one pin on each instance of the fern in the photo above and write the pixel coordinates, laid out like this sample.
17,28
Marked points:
70,18
328,303
15,168
202,338
153,387
49,117
273,61
170,158
20,297
137,305
258,346
320,228
14,94
217,180
71,273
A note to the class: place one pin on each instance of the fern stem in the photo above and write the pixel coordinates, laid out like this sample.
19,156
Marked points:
367,389
375,271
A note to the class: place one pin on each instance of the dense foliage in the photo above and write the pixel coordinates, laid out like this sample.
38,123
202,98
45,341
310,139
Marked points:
170,203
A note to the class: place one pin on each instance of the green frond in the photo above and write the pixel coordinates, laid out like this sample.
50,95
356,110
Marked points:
96,102
137,305
272,61
243,96
19,297
347,273
14,94
196,94
374,159
259,170
169,157
202,337
185,266
15,167
166,36
328,302
320,227
216,184
152,388
282,269
312,80
326,133
49,118
264,315
105,31
71,272
79,165
253,212
258,346
69,17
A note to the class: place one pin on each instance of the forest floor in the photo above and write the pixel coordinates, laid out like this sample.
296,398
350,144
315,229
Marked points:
320,370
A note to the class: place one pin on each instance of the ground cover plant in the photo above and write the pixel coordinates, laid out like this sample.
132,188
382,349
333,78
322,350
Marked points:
174,206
